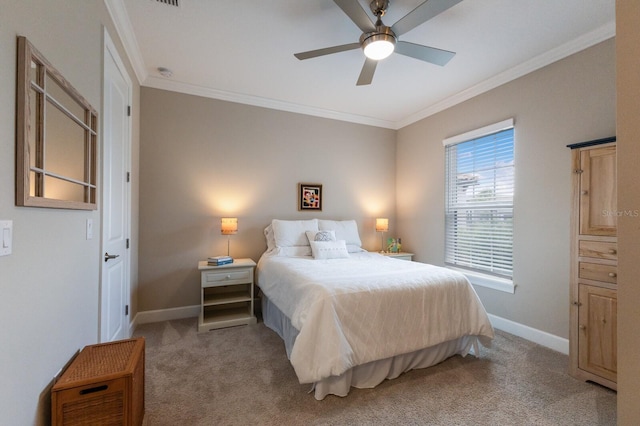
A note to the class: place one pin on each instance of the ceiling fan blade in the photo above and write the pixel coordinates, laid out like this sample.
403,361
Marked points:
326,51
424,53
366,75
422,14
357,14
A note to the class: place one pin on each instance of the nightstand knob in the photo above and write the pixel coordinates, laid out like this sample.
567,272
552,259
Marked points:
582,327
612,274
228,277
613,251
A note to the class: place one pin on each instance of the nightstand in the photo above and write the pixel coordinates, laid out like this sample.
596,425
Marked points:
226,296
401,255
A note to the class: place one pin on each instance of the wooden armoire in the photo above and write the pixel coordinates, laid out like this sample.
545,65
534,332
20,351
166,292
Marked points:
594,259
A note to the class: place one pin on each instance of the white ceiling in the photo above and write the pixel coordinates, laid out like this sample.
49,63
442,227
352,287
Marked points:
242,51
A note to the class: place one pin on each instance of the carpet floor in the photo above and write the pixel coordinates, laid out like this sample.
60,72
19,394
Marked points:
241,376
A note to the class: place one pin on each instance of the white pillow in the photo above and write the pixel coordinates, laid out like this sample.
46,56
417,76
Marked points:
271,241
321,235
346,230
288,233
294,251
329,249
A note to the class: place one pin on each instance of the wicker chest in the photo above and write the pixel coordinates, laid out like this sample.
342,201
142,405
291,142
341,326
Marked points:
103,385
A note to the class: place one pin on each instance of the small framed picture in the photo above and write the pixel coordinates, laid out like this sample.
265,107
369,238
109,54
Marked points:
309,196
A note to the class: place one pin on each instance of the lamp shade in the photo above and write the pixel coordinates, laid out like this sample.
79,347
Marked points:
382,224
229,225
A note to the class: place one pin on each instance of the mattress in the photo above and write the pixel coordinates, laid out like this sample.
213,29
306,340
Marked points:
373,373
343,313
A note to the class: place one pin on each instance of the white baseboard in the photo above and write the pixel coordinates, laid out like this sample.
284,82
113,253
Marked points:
540,337
158,315
534,335
132,326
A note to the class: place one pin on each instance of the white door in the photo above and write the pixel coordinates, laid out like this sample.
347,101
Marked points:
116,206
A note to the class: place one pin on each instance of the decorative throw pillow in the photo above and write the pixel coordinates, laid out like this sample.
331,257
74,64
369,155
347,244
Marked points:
324,236
321,235
329,249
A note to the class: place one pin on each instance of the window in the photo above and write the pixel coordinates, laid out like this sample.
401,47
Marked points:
56,137
479,201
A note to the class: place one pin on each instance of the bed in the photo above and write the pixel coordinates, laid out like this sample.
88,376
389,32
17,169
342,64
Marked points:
349,317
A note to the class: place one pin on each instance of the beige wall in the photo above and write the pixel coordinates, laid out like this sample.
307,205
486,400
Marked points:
50,284
570,101
628,128
202,159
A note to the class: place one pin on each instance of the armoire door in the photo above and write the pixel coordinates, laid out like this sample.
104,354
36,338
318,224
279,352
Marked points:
598,215
598,328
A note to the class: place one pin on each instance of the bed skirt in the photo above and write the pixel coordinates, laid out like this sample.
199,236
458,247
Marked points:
372,373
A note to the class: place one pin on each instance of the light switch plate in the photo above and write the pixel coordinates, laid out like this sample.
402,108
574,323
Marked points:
89,229
6,237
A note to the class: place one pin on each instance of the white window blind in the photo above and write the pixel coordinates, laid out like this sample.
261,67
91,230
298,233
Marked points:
479,200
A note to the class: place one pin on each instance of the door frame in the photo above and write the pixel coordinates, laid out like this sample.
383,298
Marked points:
109,49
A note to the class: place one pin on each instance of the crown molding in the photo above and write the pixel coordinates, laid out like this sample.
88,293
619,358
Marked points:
601,34
125,31
191,89
120,18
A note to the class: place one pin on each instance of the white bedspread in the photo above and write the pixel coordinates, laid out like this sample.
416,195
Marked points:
368,307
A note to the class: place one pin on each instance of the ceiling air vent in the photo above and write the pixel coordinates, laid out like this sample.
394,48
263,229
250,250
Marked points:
169,2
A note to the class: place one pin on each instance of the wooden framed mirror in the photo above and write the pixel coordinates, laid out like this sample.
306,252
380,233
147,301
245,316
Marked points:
56,137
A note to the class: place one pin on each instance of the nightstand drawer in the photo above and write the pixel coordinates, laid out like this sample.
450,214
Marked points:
227,277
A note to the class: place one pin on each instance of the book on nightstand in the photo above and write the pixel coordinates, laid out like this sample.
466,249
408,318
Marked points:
219,260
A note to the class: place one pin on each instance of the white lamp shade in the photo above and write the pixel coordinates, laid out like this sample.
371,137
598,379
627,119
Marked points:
382,224
229,225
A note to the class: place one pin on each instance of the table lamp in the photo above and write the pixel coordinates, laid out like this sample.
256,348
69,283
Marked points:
382,226
228,227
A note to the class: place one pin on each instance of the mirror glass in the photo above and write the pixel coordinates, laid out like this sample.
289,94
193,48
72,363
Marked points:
62,190
55,91
64,151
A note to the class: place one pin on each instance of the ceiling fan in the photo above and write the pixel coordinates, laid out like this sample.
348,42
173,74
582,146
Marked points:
379,41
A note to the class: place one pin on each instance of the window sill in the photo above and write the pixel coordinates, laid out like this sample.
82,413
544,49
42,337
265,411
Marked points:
488,281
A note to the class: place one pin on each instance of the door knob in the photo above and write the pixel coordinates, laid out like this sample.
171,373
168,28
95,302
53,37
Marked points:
108,256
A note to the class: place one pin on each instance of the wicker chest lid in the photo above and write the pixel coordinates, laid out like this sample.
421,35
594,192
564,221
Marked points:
102,361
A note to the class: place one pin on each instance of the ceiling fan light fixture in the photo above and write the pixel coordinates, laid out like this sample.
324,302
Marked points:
378,46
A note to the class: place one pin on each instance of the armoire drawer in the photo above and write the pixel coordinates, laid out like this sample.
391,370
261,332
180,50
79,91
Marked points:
598,272
598,249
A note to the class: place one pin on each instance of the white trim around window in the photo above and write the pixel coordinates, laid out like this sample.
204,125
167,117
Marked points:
479,234
482,280
478,133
